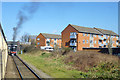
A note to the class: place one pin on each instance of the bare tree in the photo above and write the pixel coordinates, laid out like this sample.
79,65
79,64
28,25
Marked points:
110,44
25,38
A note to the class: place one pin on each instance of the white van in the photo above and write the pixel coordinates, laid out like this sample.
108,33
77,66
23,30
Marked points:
48,48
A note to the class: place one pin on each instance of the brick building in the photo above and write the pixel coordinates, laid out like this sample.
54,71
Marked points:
44,39
78,37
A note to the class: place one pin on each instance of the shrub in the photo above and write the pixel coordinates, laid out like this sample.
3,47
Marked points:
65,50
105,70
30,48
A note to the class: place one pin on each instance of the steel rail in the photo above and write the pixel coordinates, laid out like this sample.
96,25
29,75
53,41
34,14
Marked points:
29,68
17,68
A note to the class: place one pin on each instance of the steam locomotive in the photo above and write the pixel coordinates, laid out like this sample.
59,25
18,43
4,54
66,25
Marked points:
12,49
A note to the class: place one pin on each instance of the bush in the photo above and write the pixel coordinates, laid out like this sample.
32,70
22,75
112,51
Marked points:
59,52
105,70
65,50
30,48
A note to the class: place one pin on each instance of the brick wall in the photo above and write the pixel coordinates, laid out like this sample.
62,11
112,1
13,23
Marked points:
66,35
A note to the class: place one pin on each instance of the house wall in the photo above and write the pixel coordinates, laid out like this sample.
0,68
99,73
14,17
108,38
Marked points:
114,40
79,40
97,41
3,54
66,35
42,41
58,42
82,45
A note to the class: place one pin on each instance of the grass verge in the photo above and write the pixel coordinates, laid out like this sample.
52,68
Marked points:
57,68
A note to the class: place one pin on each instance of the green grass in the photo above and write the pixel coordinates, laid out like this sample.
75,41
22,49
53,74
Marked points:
56,68
53,67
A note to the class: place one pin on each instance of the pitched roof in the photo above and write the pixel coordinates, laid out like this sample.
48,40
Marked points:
46,35
85,29
93,30
107,32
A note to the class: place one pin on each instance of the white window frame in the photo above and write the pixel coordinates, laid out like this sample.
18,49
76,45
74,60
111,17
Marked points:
83,34
83,41
87,41
95,41
38,39
87,34
95,35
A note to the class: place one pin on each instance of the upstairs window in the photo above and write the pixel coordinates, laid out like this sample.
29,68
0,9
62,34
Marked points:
95,35
38,39
73,33
87,34
87,41
83,41
91,35
55,39
95,42
83,34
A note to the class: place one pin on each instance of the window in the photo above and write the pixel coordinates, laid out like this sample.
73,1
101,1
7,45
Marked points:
55,39
95,35
83,34
87,34
54,43
91,35
66,43
104,46
73,33
87,41
99,36
38,39
38,43
83,41
95,42
106,43
117,37
91,41
51,42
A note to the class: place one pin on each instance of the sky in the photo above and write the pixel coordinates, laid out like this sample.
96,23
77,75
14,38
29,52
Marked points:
53,17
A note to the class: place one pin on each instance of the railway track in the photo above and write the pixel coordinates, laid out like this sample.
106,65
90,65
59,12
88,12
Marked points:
24,70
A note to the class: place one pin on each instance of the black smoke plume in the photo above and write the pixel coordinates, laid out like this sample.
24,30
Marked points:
25,14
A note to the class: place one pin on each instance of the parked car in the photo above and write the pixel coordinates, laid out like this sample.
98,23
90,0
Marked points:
48,48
